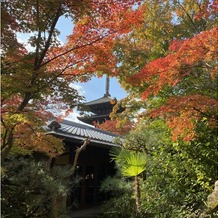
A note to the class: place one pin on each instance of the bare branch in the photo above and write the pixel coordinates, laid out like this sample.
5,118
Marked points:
74,48
78,150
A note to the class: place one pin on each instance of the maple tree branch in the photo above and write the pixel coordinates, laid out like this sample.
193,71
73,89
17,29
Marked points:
35,133
78,150
198,4
39,35
31,128
27,97
60,74
196,109
9,143
189,17
5,67
74,48
69,64
3,123
47,44
4,144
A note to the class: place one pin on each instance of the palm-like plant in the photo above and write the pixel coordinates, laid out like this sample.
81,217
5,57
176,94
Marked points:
131,164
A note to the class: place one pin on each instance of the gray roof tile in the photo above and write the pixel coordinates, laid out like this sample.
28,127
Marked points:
81,131
99,101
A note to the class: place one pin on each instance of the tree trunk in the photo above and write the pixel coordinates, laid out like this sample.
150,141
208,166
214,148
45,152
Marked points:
8,147
137,197
54,208
78,150
59,204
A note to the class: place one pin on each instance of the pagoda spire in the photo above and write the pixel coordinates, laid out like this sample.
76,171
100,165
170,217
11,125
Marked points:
107,87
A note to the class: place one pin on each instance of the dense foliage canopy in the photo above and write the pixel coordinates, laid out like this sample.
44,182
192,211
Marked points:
163,52
37,83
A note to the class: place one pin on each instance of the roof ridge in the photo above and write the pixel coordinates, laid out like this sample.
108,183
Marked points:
105,98
84,126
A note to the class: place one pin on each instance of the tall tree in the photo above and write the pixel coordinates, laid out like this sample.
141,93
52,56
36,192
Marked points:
175,75
34,81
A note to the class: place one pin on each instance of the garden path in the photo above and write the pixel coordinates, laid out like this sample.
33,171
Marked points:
90,212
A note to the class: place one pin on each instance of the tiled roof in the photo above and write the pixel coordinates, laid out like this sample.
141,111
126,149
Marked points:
101,100
93,117
77,131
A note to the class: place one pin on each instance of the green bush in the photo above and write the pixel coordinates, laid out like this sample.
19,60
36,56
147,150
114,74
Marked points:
121,202
28,187
178,177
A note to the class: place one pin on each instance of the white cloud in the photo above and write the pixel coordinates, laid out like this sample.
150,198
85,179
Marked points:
73,116
23,39
79,88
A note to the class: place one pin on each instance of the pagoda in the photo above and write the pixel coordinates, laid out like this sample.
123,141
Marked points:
98,110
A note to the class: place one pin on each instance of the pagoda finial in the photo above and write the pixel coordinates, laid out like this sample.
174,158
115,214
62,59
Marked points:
107,86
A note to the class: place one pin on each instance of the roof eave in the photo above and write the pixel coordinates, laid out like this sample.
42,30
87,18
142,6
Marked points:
81,138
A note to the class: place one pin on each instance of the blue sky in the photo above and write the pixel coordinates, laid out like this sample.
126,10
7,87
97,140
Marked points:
95,88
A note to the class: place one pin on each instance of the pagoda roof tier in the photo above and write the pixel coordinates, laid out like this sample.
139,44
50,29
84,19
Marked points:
102,100
99,105
91,119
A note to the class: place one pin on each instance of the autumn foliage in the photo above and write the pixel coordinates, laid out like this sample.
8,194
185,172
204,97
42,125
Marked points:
90,47
163,52
184,77
121,38
182,113
36,83
199,51
186,57
114,126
